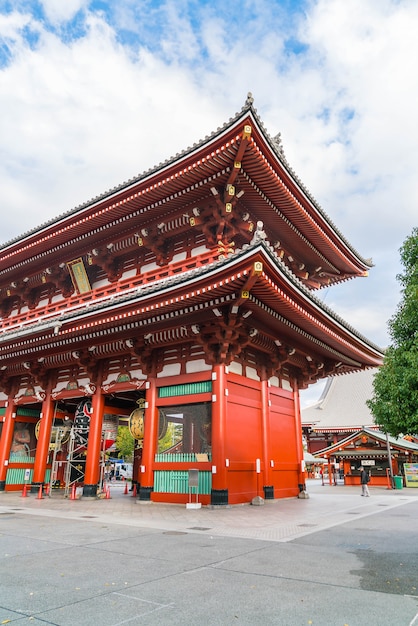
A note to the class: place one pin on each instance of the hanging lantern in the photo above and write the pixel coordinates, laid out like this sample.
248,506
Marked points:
136,421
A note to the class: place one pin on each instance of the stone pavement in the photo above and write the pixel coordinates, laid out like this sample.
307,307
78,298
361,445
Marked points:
276,520
335,559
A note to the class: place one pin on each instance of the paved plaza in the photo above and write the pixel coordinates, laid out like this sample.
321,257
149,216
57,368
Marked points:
334,559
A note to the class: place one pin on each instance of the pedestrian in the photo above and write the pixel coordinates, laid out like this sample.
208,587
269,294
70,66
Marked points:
364,479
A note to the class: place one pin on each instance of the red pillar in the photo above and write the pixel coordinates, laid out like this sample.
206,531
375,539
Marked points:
150,441
42,446
299,446
6,441
265,429
92,471
219,494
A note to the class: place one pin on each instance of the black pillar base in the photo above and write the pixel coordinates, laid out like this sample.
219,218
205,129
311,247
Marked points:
34,488
2,485
302,487
145,494
219,497
268,492
90,491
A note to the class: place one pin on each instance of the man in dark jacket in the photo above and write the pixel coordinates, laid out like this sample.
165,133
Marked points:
364,479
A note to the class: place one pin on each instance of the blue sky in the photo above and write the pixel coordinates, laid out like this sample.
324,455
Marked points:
93,93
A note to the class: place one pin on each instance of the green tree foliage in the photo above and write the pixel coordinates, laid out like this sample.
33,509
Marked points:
172,436
395,388
125,444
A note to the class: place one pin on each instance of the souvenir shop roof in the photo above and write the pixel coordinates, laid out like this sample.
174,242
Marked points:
240,156
364,437
342,404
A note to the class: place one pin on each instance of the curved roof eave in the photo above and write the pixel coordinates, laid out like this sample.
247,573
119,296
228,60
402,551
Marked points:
188,278
133,181
247,111
376,434
319,304
309,198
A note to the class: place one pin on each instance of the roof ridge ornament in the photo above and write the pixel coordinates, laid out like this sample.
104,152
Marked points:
259,234
278,144
250,100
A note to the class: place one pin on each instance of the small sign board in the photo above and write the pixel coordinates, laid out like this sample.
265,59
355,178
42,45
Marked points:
193,478
193,484
411,474
27,475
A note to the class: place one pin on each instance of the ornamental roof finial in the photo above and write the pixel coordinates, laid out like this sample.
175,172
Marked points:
277,141
249,101
259,234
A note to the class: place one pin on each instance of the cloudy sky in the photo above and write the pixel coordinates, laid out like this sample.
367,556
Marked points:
93,93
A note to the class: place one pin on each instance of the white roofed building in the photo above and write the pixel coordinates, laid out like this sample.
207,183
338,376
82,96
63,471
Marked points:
340,410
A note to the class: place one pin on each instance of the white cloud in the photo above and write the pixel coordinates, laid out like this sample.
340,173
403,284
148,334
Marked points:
79,115
59,11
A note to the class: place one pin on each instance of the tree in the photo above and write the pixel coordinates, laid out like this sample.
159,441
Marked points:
124,443
395,387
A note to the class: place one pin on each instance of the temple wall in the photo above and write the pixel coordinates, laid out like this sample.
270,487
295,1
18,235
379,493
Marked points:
283,434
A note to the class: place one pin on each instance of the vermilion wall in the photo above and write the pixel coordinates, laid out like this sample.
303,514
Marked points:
243,443
283,443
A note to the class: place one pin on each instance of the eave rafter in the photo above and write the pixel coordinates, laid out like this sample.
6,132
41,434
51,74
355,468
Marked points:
316,274
113,218
241,148
299,209
308,341
92,227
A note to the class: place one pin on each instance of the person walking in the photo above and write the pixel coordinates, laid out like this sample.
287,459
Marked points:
364,479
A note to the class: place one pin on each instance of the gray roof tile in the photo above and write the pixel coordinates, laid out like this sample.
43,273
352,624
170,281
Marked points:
343,402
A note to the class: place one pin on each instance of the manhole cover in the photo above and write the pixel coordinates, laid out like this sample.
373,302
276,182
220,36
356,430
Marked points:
89,516
199,528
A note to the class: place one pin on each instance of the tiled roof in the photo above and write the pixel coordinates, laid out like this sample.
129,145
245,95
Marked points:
138,293
343,402
395,442
275,145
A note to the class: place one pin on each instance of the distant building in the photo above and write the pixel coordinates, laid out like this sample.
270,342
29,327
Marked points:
369,449
340,411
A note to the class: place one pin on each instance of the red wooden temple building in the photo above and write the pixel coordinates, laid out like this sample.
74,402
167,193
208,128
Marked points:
183,302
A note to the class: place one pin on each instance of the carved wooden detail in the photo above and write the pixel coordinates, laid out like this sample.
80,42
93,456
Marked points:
105,258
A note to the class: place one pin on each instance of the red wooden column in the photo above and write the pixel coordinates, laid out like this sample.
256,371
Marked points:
42,447
150,441
6,441
265,429
92,471
219,493
298,427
